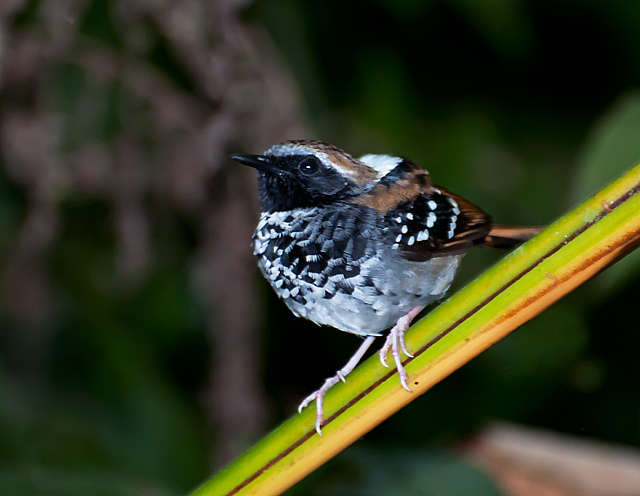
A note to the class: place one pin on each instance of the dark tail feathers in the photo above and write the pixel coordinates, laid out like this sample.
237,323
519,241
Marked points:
501,236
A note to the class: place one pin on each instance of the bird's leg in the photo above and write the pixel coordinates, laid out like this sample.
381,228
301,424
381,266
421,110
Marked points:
332,381
395,342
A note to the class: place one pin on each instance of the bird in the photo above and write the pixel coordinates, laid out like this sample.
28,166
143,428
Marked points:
363,244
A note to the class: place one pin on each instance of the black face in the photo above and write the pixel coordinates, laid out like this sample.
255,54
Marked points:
296,181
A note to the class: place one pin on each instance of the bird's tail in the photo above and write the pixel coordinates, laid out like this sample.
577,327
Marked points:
501,236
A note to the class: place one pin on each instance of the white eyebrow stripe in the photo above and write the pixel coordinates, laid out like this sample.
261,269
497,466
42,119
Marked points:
382,164
288,149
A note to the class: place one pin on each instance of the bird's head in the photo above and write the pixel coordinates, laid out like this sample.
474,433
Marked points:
303,174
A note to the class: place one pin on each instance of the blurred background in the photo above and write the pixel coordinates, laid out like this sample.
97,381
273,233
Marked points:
139,347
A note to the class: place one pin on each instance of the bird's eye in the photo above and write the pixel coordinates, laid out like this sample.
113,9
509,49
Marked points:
309,166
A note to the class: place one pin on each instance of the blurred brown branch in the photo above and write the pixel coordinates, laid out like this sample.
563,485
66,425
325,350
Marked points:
89,113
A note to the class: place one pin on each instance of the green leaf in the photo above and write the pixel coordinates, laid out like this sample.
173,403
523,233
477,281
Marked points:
611,148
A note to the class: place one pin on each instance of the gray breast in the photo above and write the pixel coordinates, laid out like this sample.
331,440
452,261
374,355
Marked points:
332,267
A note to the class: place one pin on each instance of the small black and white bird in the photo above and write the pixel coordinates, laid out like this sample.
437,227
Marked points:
362,245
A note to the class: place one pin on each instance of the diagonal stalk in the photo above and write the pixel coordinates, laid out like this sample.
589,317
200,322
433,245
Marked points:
524,283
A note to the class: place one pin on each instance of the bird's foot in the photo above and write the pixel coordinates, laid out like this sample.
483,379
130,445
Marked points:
395,343
318,395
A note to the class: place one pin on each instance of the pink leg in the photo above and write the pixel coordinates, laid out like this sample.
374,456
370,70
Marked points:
332,381
395,342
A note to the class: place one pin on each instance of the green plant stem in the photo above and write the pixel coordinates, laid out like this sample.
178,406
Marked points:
519,287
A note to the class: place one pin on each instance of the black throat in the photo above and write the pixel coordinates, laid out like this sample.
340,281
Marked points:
282,193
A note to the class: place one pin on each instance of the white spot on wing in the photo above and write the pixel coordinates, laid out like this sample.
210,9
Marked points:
431,219
454,204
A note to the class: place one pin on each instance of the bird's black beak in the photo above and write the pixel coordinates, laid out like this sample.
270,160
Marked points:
259,162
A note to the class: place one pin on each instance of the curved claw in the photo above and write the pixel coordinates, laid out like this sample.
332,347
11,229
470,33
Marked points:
305,402
403,346
403,376
383,357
